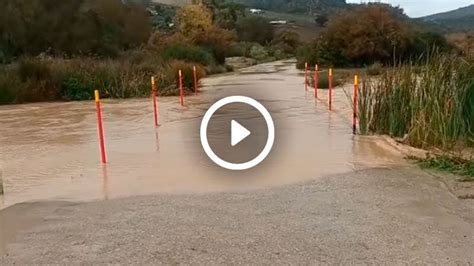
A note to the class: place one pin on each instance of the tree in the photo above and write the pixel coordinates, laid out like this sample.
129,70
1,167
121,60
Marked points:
288,41
71,27
321,19
372,33
193,20
255,29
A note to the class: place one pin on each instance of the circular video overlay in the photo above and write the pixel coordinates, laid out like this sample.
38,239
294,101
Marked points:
239,132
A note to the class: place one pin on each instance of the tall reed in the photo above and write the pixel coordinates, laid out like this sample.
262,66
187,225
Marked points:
430,103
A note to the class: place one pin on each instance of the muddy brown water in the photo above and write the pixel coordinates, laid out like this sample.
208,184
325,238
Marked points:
49,151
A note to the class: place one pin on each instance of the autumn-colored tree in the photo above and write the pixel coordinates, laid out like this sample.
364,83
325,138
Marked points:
193,20
217,40
371,33
195,23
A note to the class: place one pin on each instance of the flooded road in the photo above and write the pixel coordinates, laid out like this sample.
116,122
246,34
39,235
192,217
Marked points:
49,151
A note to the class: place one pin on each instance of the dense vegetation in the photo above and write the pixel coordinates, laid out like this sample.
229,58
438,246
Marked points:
429,103
368,34
64,50
73,27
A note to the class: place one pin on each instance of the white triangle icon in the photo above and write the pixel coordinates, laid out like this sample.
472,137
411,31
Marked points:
238,133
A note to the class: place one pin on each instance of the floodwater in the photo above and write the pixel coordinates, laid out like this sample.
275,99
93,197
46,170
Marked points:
49,151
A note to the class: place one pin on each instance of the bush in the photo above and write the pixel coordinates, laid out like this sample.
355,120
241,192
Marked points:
39,82
73,27
9,86
259,52
255,29
217,41
241,49
287,41
172,77
35,80
368,34
323,80
188,53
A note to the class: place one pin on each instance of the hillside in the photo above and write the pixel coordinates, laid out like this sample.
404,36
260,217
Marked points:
461,19
295,6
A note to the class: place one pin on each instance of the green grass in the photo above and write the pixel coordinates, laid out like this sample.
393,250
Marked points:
445,163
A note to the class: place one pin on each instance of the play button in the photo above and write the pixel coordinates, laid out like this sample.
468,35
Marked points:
237,133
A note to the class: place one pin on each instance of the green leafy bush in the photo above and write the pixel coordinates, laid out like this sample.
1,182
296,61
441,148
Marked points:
189,53
323,80
259,52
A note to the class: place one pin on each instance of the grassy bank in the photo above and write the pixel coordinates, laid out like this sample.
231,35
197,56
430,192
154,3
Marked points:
451,164
33,80
430,104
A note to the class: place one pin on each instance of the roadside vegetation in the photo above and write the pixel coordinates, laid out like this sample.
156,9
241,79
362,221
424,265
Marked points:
369,34
429,103
450,164
65,50
418,85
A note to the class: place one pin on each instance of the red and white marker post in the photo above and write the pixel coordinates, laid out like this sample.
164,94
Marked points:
356,107
100,128
154,96
181,89
316,81
330,88
195,80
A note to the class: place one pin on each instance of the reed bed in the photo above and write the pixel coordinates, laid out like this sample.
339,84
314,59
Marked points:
428,103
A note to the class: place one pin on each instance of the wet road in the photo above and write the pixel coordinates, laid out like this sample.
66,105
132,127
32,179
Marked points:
322,195
50,152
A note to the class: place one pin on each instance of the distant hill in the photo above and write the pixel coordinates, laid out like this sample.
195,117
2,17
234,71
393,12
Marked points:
461,19
295,6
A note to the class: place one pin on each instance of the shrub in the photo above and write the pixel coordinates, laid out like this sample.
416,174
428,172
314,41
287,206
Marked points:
9,86
73,27
288,41
172,77
188,53
193,20
255,29
368,34
217,41
323,80
39,82
241,49
258,52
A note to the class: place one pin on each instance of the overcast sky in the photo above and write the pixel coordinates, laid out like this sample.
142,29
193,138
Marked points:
420,8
